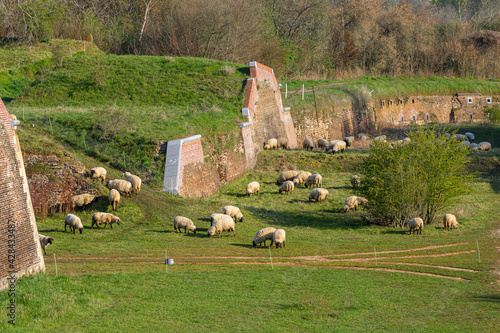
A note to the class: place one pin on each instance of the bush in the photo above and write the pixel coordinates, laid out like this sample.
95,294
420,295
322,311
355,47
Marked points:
418,179
493,113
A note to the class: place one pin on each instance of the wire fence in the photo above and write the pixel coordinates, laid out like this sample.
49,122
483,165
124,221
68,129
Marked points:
447,259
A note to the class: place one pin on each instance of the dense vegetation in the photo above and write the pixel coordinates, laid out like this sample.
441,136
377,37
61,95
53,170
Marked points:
323,38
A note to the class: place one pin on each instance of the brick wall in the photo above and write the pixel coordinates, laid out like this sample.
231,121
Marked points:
15,209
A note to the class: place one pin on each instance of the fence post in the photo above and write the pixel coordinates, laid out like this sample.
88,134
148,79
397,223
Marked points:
375,251
55,262
270,257
286,90
302,91
478,253
23,112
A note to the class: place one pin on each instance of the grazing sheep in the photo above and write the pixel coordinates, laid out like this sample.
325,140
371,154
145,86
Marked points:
473,146
287,187
74,223
234,212
449,222
82,200
104,218
447,135
406,140
380,138
355,181
416,224
252,188
312,180
222,224
460,137
308,144
353,202
135,181
322,143
271,144
286,175
263,235
279,238
99,173
484,146
470,136
114,198
122,186
331,144
44,242
318,194
349,140
338,146
184,222
283,143
363,137
300,178
215,217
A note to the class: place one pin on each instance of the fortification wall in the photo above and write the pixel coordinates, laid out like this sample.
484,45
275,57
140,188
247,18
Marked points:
20,251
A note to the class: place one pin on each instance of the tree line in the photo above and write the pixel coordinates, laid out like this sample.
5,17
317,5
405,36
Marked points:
298,38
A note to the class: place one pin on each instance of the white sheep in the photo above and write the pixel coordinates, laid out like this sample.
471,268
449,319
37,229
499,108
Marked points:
271,144
380,138
99,173
322,143
122,186
114,198
283,143
338,146
484,146
416,224
465,143
286,175
135,181
473,146
279,238
301,178
216,216
349,140
318,194
312,180
308,144
460,137
222,224
470,136
287,187
253,188
449,222
234,212
184,222
74,223
355,181
104,218
363,137
82,200
45,241
331,145
353,202
263,235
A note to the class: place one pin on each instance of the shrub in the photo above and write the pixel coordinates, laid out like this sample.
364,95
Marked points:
227,70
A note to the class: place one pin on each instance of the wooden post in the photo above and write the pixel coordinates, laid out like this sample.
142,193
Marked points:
302,91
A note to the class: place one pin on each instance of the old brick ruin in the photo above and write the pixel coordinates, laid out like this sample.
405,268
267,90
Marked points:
17,219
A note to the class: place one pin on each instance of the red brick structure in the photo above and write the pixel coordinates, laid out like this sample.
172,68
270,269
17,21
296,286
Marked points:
20,251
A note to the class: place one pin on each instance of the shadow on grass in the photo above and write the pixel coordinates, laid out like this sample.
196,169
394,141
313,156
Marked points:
488,298
248,246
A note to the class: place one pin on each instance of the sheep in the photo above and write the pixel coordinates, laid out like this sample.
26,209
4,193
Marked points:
380,138
416,224
318,194
449,222
308,144
135,181
122,186
44,242
473,146
74,223
287,187
263,235
114,198
215,217
234,212
465,143
349,140
363,137
82,200
484,146
300,178
353,202
406,140
184,222
470,136
322,143
330,145
338,146
279,238
283,143
355,181
271,144
99,173
105,218
252,188
312,180
460,137
223,224
286,175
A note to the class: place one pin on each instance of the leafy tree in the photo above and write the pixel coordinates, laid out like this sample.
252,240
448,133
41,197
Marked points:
417,179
